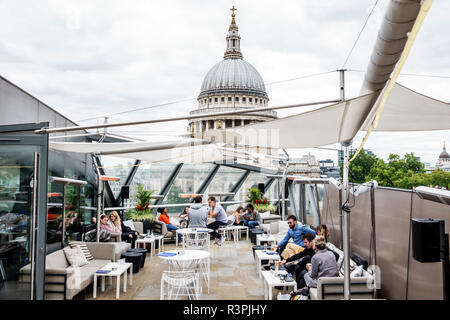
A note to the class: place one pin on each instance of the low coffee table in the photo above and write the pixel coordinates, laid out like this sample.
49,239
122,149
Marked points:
265,238
144,241
240,229
121,269
262,255
269,281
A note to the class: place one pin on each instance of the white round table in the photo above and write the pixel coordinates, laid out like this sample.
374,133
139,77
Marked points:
190,260
191,231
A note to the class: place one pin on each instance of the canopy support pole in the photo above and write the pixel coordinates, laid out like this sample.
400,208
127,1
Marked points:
346,225
345,207
99,197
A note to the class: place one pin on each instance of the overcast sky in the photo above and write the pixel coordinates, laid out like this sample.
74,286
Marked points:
92,58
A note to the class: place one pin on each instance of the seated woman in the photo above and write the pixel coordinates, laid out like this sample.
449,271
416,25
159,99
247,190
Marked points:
164,217
322,230
235,216
106,225
184,216
126,234
323,264
105,229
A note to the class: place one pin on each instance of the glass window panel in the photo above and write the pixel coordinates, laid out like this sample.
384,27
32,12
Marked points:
16,194
189,180
152,177
273,192
117,167
224,180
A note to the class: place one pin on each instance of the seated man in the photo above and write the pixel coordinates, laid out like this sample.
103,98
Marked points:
296,232
197,214
251,217
323,264
217,211
302,258
164,217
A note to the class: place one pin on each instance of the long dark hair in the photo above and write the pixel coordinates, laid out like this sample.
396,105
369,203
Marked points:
161,210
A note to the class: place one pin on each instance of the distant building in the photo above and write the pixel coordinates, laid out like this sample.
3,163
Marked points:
232,84
443,162
329,169
305,166
427,166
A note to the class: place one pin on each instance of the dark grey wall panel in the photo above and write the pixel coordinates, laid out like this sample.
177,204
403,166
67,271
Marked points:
393,212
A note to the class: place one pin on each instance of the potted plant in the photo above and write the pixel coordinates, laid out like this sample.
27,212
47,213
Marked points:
261,203
142,212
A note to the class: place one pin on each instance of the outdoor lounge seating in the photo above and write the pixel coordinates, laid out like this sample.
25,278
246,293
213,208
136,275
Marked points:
62,280
333,287
138,226
161,228
276,228
267,218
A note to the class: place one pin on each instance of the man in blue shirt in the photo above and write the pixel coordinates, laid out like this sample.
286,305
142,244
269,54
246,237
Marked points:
215,210
296,232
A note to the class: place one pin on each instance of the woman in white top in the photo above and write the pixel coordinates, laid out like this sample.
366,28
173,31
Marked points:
235,216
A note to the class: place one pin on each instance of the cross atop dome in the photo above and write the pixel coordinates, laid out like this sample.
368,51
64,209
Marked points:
233,9
233,39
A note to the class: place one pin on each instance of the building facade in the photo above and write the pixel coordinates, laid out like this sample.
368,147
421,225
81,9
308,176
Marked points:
443,162
306,166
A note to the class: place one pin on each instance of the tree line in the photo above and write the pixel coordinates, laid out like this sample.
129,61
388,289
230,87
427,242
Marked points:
398,172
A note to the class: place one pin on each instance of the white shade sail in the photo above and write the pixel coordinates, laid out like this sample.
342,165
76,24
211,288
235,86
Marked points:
191,151
405,110
184,151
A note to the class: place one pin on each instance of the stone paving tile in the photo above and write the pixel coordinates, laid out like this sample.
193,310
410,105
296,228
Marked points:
232,276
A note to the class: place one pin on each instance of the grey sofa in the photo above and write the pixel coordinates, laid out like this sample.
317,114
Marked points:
161,228
138,226
332,288
63,281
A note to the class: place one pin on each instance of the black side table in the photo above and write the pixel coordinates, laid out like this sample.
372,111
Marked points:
253,233
141,251
134,258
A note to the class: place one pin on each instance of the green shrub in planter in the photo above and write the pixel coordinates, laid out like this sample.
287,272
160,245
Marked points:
265,207
141,212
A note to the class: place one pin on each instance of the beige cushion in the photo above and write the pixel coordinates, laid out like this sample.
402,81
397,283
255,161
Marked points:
273,227
283,227
265,214
75,256
139,226
56,260
313,293
120,248
83,247
266,227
